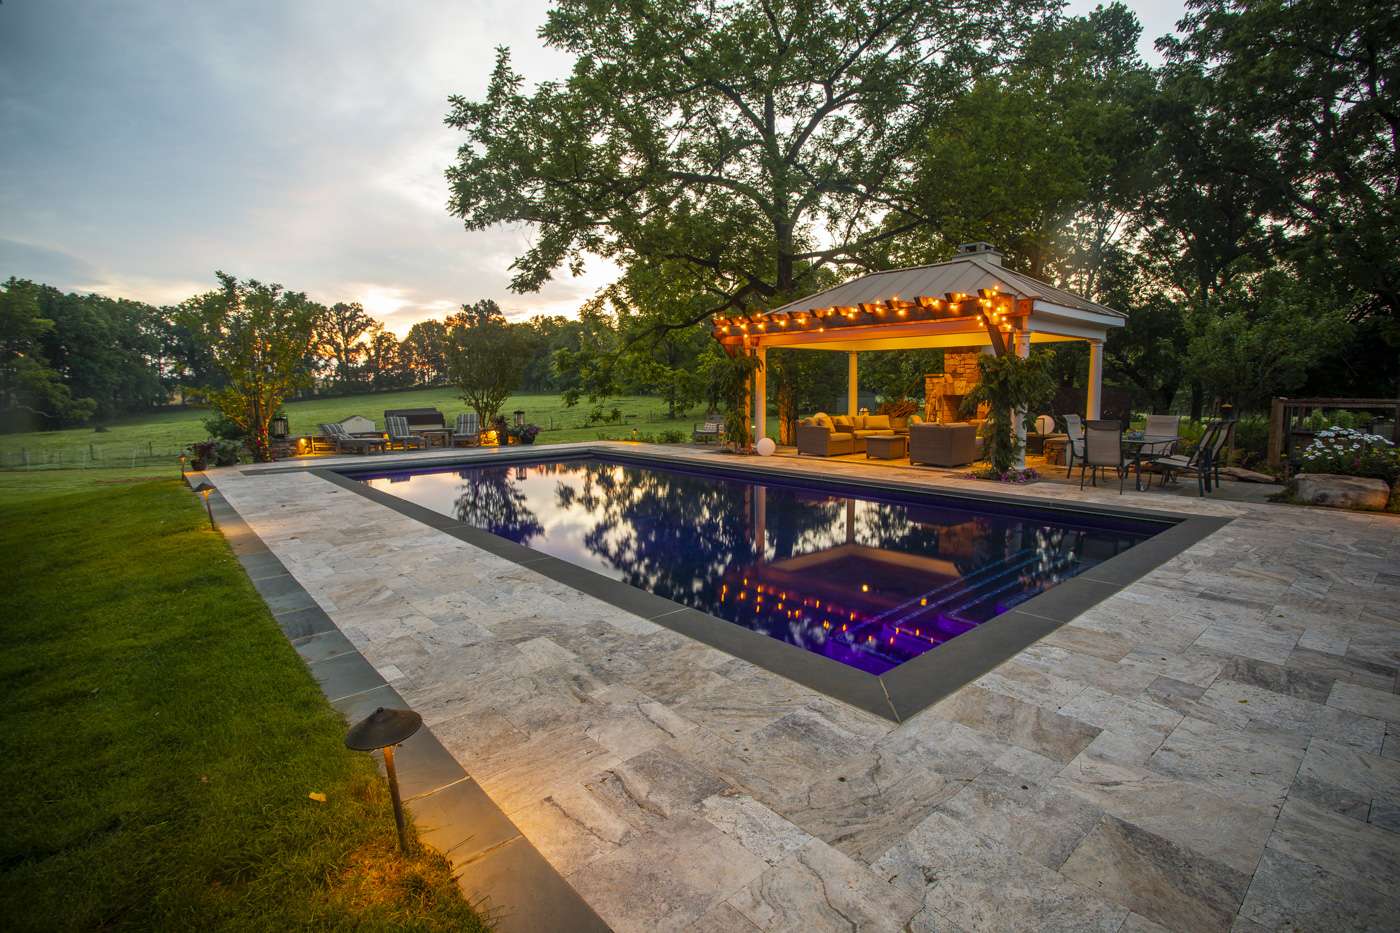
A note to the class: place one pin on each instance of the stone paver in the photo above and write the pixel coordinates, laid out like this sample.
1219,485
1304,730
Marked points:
1214,747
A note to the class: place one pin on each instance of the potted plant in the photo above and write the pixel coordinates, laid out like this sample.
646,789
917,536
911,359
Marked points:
524,433
201,453
214,451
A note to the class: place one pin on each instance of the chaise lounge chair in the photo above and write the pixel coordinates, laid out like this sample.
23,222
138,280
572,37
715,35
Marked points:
344,440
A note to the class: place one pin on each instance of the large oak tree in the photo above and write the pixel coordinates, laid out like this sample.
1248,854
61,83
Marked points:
754,142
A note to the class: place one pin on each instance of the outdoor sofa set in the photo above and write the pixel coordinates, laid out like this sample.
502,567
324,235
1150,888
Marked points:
947,445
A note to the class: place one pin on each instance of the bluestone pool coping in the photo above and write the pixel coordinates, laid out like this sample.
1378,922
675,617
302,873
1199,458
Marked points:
499,871
895,695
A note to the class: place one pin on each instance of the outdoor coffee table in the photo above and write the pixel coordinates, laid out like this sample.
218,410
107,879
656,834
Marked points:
881,447
436,437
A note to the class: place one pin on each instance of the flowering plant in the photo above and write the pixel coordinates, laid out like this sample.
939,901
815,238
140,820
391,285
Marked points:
1018,477
525,433
1352,453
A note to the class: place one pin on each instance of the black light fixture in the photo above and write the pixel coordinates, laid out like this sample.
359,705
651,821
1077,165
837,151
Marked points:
519,418
204,489
382,730
182,464
279,428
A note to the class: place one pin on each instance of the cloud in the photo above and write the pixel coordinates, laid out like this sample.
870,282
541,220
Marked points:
149,143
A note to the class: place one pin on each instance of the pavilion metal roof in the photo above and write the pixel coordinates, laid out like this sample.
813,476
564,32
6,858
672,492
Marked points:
964,274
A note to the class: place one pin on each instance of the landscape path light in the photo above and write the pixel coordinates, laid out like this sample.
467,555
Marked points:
382,730
204,489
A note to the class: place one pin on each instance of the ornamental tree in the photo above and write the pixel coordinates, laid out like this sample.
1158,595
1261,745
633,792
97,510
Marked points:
258,337
486,358
1012,387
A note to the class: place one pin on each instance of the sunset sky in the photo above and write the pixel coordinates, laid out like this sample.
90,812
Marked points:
147,144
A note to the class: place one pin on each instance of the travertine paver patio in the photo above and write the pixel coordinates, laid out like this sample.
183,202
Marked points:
1217,746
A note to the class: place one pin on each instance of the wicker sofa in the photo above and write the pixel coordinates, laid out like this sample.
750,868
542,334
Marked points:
945,445
824,435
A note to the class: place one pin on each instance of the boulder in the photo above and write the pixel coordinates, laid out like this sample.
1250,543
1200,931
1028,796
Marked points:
1341,492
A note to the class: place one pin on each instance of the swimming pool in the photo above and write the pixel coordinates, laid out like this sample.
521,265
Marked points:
867,579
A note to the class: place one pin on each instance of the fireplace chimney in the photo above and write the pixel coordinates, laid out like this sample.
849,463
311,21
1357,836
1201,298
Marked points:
981,248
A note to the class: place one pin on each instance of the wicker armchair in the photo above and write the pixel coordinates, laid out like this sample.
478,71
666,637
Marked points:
944,445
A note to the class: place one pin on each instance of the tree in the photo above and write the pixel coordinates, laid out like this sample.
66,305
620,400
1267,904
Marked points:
424,351
104,349
486,359
383,359
729,379
1042,158
1268,332
752,143
894,375
802,380
258,336
1317,83
31,391
344,326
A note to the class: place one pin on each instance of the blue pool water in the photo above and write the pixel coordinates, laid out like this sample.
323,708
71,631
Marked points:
870,581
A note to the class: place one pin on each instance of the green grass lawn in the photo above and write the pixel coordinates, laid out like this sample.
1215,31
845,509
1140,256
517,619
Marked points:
166,432
162,738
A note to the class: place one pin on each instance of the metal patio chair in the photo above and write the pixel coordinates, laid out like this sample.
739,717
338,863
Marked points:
1103,448
1201,460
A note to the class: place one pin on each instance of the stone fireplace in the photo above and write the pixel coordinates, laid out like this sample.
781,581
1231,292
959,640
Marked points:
943,392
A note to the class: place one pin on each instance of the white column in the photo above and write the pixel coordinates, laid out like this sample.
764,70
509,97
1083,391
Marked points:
760,395
852,384
1022,345
1093,403
760,522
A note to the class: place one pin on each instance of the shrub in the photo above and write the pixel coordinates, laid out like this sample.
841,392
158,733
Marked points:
1352,453
1319,420
216,451
1251,439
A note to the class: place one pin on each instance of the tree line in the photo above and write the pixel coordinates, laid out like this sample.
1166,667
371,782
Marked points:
69,359
1240,201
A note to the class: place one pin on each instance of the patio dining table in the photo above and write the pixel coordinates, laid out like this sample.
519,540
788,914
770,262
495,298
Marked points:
1137,444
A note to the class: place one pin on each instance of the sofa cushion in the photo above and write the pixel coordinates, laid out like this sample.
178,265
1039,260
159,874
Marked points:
884,433
842,436
844,422
877,423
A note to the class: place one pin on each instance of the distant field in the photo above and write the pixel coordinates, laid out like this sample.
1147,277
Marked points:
132,442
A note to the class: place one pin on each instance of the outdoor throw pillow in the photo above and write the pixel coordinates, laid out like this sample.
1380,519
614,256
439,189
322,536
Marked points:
877,422
844,423
822,419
